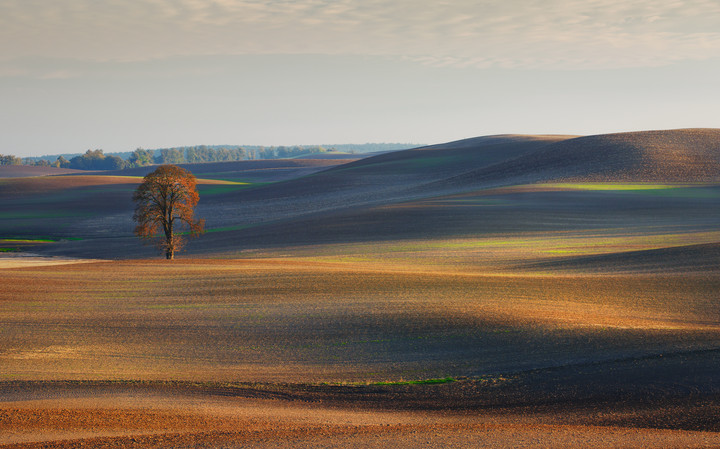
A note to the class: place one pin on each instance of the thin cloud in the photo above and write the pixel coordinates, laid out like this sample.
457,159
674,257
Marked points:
530,33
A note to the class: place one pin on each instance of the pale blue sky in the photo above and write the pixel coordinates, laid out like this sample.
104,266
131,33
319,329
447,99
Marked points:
120,74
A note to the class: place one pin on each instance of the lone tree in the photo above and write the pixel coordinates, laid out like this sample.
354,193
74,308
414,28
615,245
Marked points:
165,203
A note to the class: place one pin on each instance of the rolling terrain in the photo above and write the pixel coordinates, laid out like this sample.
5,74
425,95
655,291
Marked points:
501,291
23,171
482,187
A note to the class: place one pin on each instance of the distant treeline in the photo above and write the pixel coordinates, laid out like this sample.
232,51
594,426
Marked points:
98,160
91,160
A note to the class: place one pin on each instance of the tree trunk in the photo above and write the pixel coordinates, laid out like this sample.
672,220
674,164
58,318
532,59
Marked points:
170,247
169,236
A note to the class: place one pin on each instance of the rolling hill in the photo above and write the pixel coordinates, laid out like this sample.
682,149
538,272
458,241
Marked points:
655,182
24,171
685,155
649,182
260,171
501,291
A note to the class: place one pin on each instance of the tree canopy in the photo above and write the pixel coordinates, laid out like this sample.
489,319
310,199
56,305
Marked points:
165,204
9,159
140,158
96,160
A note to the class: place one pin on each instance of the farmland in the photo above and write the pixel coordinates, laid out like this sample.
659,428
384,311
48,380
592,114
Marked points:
503,291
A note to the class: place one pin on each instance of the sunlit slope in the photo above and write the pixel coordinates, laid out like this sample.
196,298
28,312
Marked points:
274,210
299,321
389,175
385,179
678,259
489,230
647,183
660,183
684,155
471,164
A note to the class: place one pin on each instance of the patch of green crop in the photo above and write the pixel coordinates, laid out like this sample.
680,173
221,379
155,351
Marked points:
38,239
9,250
609,186
28,240
664,190
444,244
436,381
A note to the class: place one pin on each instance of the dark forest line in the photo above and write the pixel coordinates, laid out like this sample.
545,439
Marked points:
98,160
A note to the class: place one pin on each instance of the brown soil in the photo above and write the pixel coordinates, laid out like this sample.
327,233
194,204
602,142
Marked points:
178,415
266,170
289,353
22,171
683,155
557,318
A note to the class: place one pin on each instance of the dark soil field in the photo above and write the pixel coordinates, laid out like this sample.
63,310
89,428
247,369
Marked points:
505,291
22,171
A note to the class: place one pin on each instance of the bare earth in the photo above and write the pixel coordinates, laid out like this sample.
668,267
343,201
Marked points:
139,420
280,353
503,291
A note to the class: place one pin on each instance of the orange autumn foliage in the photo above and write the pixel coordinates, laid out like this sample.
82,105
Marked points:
165,204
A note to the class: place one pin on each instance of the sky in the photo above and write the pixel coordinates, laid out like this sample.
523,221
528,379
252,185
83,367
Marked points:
122,74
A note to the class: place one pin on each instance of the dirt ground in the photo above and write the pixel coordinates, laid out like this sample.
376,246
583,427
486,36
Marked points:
296,353
505,291
116,418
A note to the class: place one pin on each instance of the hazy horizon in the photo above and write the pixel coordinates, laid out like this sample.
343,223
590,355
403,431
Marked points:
78,75
328,146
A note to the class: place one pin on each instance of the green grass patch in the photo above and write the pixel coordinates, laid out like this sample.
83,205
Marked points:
436,381
612,186
665,190
39,239
44,240
9,250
